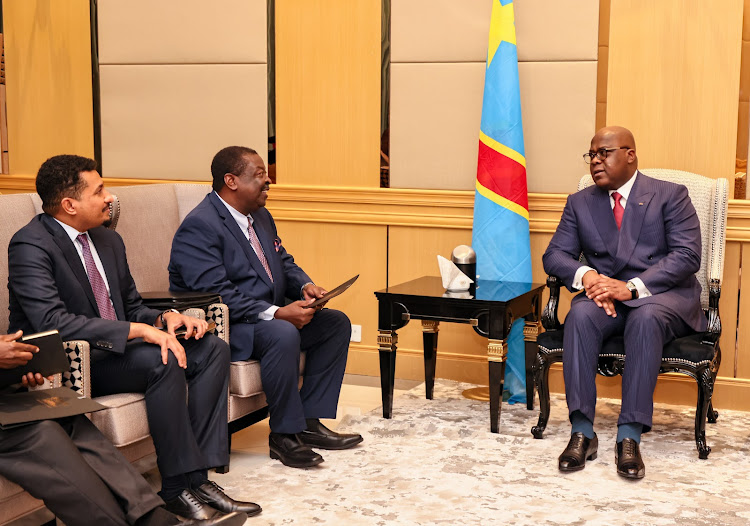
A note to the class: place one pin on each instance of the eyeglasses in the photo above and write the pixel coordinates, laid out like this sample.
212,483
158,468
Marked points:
601,153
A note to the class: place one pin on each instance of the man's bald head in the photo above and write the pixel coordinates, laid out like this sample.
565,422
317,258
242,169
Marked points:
615,161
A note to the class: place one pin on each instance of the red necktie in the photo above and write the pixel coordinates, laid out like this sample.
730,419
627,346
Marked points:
255,243
101,296
618,209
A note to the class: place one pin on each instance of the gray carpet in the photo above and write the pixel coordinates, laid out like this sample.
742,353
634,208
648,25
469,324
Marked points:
436,462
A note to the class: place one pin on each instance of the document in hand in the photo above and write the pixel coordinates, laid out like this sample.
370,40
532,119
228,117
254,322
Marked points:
50,359
332,293
45,404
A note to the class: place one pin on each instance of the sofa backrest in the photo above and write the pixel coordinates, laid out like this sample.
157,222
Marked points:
148,219
15,211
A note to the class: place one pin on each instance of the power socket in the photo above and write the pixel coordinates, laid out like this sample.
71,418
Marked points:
356,333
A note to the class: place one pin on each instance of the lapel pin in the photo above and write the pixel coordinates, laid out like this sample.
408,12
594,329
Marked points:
640,204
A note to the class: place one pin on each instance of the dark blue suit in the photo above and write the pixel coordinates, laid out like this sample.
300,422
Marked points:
660,243
210,253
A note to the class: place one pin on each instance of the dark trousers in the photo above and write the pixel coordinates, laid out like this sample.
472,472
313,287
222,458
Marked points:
277,345
645,329
188,426
76,471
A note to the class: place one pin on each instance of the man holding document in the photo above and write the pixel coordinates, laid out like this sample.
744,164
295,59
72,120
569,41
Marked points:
229,245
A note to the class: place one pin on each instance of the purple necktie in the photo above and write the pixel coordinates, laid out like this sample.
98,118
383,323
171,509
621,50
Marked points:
106,310
618,209
255,243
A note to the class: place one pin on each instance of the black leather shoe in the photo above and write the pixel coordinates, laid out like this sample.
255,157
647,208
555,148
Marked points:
319,436
577,452
628,459
291,451
212,494
188,506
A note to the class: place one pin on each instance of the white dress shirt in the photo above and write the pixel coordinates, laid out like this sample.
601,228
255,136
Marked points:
624,192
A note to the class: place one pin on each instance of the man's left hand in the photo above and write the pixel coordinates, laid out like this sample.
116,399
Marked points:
312,292
193,326
606,288
34,379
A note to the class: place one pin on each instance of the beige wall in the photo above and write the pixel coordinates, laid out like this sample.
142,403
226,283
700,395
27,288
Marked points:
180,79
439,49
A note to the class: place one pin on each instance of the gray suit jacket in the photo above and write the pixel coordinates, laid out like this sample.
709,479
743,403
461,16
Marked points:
659,242
49,288
211,254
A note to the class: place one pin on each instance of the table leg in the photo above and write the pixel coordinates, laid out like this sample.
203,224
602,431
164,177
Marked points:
530,332
497,351
429,339
387,341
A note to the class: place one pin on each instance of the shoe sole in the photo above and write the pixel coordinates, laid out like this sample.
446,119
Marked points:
592,456
637,476
276,456
332,448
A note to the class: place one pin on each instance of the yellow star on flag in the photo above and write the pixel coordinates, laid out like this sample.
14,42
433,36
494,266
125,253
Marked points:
502,28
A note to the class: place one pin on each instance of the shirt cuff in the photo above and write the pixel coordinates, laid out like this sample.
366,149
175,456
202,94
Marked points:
302,288
269,313
643,292
578,278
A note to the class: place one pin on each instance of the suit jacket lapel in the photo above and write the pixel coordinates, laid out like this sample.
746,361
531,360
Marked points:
632,221
234,228
71,257
604,218
109,262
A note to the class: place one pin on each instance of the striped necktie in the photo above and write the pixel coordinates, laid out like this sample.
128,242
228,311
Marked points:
255,243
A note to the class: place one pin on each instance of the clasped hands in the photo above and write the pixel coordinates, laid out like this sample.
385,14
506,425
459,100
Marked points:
297,313
604,291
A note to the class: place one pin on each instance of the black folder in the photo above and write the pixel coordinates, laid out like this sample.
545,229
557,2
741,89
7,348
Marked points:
44,404
51,358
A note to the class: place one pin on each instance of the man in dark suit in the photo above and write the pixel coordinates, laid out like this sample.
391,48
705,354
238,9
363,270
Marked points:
68,272
74,469
642,242
228,244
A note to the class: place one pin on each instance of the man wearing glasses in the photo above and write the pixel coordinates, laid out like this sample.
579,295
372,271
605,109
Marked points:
642,242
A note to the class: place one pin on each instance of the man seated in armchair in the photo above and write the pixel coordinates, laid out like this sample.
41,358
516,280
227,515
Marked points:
642,243
75,470
68,272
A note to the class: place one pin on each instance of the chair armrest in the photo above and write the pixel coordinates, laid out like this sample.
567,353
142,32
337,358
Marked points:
550,321
78,378
713,331
217,313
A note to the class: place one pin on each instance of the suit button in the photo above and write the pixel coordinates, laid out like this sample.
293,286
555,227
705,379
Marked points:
651,257
596,253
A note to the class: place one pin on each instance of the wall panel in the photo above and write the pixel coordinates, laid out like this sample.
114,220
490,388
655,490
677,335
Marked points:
48,75
328,92
674,81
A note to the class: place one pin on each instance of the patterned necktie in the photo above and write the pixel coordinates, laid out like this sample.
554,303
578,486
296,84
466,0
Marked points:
618,209
255,243
106,310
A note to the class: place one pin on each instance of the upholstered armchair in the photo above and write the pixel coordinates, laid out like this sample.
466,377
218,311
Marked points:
696,355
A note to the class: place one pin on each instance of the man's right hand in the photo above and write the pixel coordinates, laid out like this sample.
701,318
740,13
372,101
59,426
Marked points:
13,353
295,313
589,280
166,341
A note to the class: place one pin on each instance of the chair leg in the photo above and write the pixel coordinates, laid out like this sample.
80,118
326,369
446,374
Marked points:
541,379
705,390
712,414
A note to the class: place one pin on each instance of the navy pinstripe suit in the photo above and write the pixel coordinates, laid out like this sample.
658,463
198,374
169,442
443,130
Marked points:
660,243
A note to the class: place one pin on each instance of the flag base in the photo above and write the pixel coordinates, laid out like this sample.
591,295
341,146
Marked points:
477,393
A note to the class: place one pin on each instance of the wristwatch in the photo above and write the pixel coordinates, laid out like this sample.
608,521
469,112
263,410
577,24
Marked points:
161,316
633,290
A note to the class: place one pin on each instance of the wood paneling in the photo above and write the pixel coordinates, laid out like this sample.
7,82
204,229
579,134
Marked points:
674,81
328,92
48,71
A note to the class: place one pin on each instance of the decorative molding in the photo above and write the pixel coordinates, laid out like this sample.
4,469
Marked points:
497,350
446,209
430,326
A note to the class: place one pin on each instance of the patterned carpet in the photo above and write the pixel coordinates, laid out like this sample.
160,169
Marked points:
437,463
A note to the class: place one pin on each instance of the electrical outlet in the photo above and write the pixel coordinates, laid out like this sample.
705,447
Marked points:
356,333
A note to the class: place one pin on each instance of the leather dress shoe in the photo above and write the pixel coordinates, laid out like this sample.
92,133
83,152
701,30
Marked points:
212,494
577,452
187,506
628,459
319,436
291,451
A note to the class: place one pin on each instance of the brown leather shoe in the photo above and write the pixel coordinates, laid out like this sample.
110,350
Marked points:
628,459
577,452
